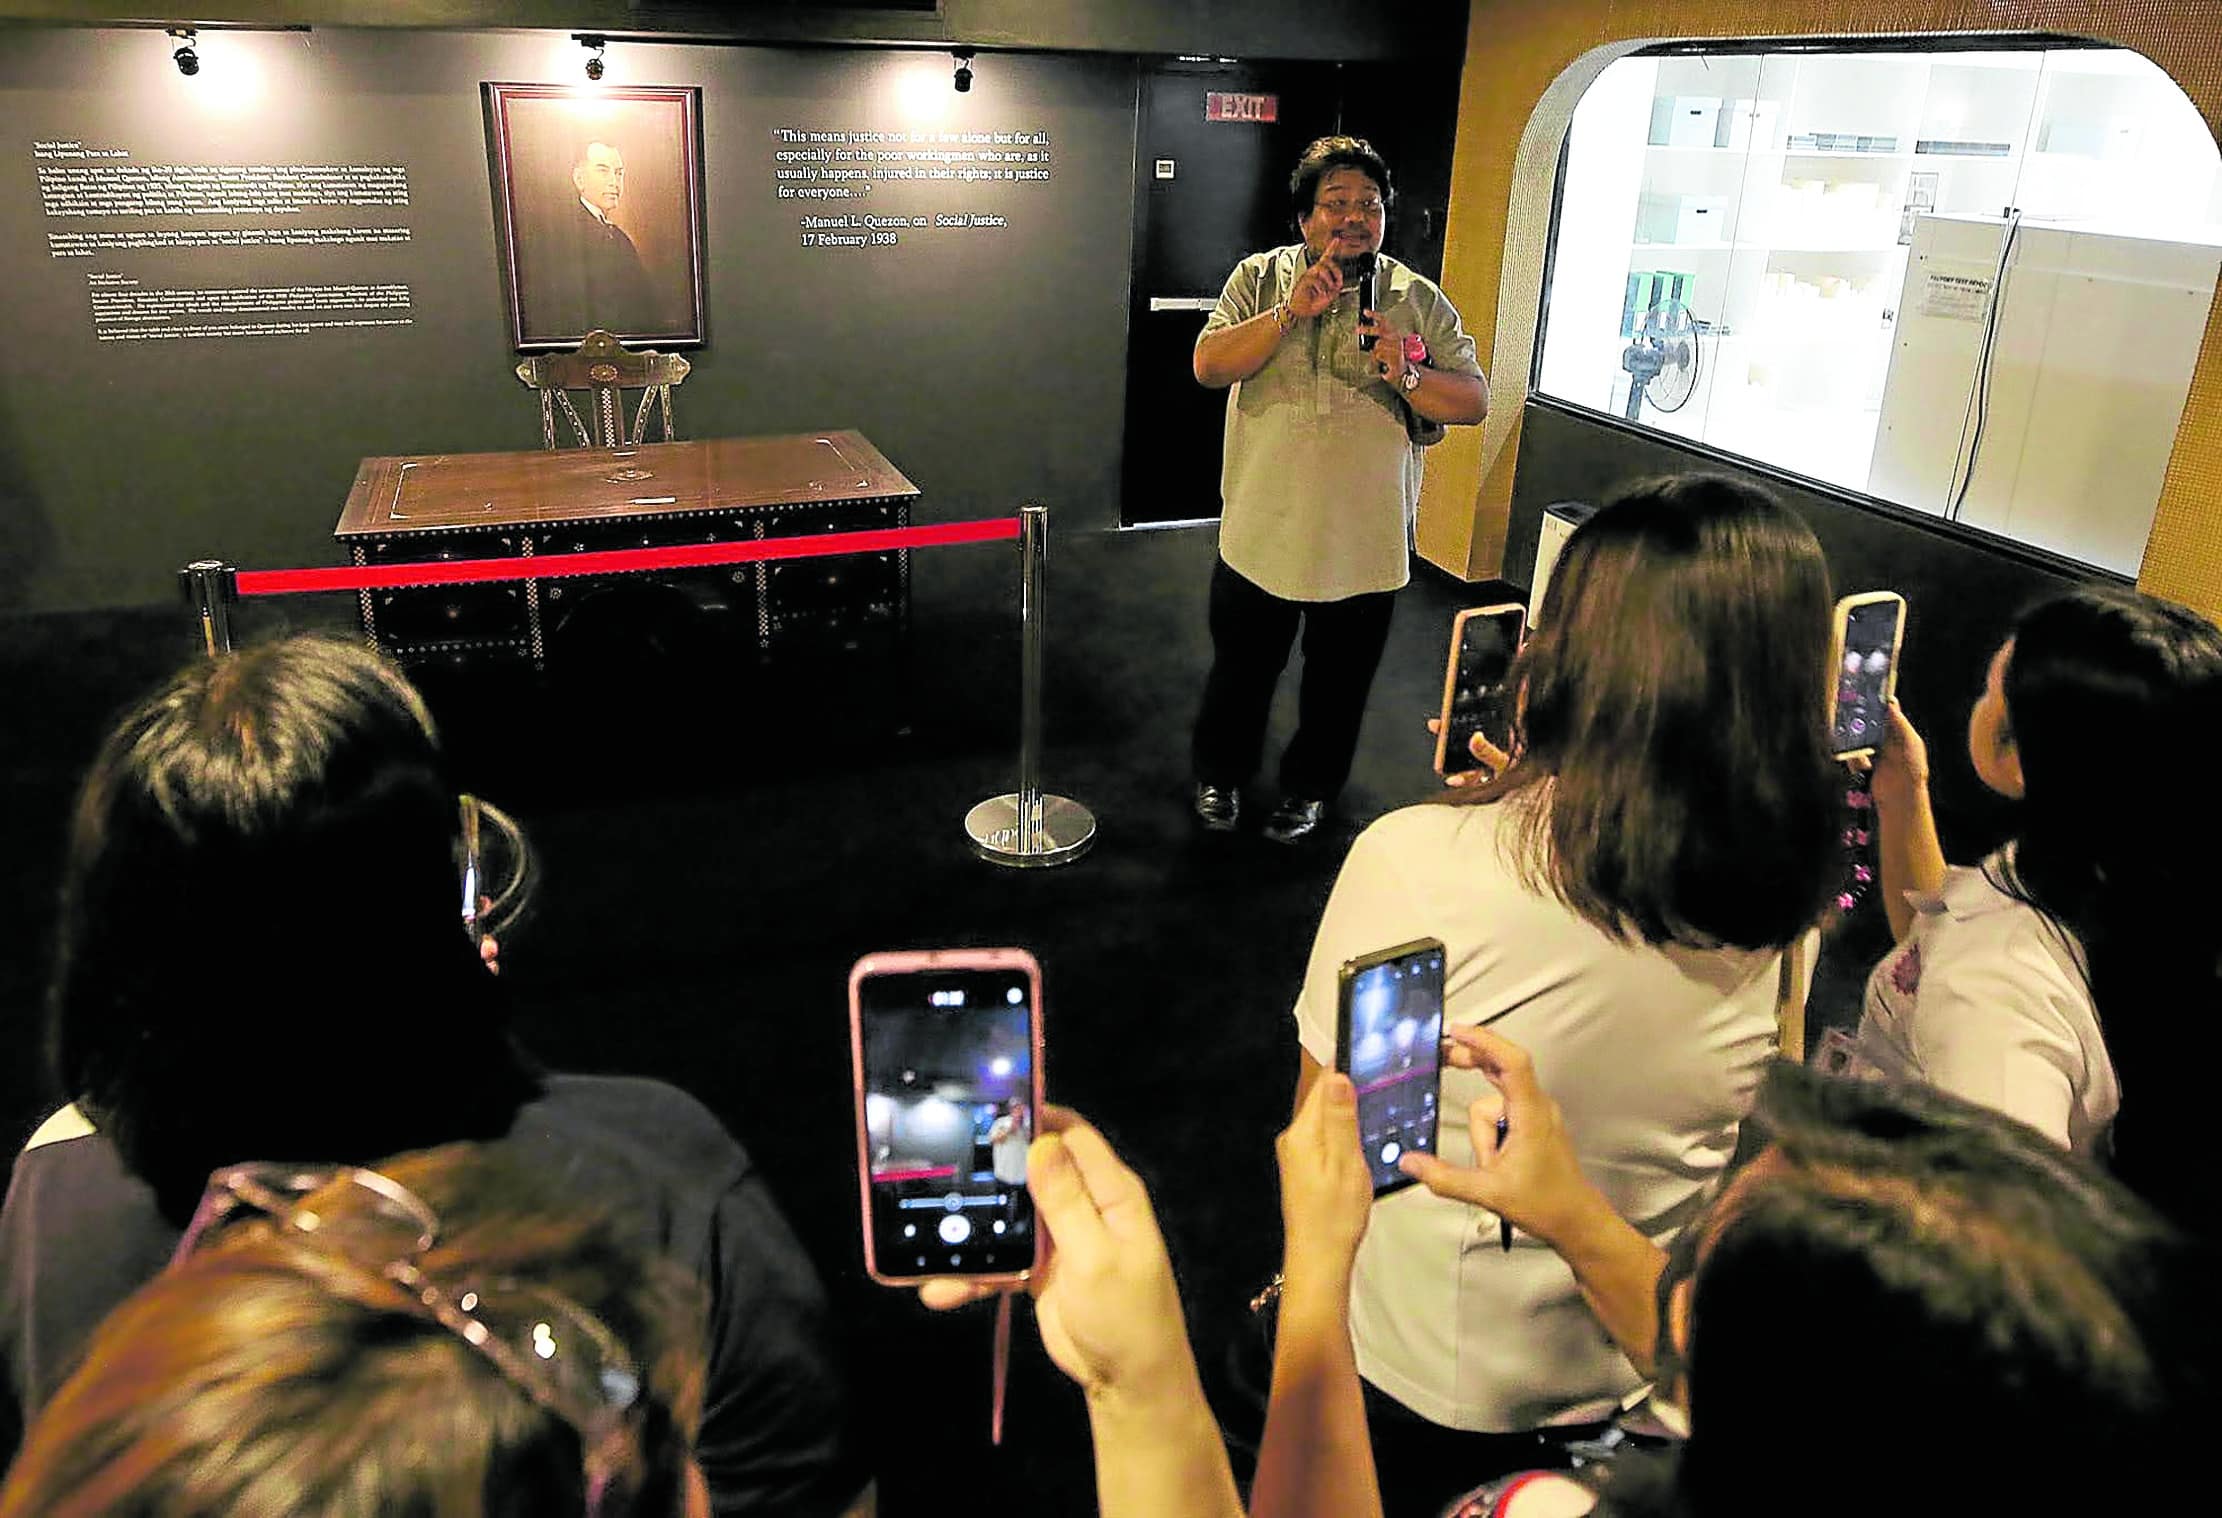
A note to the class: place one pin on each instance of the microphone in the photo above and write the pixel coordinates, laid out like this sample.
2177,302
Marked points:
1365,297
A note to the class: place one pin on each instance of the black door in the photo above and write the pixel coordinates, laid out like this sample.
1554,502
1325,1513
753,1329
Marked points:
1225,196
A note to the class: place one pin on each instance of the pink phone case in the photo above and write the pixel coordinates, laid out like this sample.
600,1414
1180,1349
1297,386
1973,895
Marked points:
910,962
1511,609
1839,630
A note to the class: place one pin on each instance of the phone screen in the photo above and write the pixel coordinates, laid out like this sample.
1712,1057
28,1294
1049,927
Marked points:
948,1082
1391,1043
1480,698
1863,677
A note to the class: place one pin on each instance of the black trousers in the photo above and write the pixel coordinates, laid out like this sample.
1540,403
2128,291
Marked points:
1251,633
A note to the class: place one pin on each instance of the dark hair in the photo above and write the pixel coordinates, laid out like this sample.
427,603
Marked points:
1325,156
2123,858
2008,1329
1674,694
270,1373
260,947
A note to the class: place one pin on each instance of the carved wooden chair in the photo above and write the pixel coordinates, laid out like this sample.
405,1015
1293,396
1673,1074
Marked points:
605,370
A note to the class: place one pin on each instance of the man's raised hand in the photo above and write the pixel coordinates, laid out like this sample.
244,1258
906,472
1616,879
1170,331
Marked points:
1315,289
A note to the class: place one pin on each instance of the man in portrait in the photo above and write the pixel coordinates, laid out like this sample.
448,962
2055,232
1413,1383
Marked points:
581,269
598,210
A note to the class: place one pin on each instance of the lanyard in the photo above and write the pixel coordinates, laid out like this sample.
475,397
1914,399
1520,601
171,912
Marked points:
1002,1364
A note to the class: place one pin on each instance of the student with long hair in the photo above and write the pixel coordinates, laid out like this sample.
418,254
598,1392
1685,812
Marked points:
1620,898
262,953
439,1336
2009,1329
1905,1300
2068,978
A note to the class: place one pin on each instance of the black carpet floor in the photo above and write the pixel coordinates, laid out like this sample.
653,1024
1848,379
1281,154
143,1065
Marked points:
715,854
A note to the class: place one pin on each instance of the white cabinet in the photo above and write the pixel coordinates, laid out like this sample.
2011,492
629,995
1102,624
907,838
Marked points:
1776,196
2060,439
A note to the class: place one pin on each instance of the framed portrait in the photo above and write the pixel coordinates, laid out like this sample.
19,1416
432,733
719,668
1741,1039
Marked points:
598,211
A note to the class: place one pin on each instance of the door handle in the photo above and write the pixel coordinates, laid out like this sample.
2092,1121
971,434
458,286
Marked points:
1184,303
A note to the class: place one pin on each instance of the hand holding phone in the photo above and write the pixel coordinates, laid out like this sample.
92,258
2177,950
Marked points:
1388,1040
1477,690
1530,1177
1899,776
1863,670
1104,1293
946,1048
1326,1186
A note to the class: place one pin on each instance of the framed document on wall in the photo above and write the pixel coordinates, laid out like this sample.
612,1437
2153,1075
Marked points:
598,211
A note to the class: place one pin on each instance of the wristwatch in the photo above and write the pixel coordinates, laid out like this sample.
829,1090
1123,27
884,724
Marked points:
1411,379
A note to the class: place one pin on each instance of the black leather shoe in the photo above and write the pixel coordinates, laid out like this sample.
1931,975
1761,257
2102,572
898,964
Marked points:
1218,807
1295,819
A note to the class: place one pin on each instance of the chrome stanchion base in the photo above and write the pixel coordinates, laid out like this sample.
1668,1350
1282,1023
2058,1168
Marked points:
1066,831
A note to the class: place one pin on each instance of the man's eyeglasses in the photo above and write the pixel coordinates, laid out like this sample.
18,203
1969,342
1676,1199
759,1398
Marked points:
491,847
468,805
544,1344
1367,208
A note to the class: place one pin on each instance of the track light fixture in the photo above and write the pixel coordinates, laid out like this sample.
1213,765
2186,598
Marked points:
188,61
963,81
595,47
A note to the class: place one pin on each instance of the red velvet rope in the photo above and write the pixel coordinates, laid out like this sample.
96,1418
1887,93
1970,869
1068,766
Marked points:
282,582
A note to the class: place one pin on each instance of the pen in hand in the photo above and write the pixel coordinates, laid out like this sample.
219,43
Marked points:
1504,1224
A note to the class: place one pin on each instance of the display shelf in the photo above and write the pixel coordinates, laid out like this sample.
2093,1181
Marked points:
1840,153
1693,150
1892,246
1863,249
1796,258
2097,60
2026,61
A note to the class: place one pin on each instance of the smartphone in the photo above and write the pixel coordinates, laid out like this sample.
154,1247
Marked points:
1863,659
1477,695
1389,1041
947,1048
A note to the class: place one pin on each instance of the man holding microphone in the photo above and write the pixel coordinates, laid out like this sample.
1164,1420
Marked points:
1329,406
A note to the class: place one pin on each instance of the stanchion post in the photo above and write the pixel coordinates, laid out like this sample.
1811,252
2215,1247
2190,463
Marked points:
1033,572
208,590
1027,828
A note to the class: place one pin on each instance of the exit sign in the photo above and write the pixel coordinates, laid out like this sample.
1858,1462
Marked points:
1225,107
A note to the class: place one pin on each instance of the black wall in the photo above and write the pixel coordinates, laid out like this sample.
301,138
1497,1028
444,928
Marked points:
1962,591
989,366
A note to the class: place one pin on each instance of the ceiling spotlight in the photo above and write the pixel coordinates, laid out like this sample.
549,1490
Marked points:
188,62
594,64
963,81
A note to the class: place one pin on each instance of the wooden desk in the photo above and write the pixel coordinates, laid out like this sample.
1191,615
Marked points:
506,505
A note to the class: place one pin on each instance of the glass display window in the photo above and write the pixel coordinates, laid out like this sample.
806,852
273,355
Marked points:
1969,282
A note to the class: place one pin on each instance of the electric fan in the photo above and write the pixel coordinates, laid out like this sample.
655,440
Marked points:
1662,359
